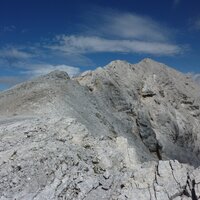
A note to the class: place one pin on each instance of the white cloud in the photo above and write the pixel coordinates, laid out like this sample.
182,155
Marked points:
42,69
120,32
130,26
14,53
12,56
90,44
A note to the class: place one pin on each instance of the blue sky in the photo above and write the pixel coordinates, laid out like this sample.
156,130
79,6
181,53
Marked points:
37,36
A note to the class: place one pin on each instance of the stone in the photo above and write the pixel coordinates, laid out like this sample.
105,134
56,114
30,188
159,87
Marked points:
123,131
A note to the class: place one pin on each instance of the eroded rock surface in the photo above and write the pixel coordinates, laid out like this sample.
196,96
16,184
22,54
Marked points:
120,132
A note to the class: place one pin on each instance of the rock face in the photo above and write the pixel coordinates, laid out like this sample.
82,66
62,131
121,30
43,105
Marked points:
120,132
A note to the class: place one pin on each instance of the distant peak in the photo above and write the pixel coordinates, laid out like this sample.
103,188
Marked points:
57,74
117,63
148,60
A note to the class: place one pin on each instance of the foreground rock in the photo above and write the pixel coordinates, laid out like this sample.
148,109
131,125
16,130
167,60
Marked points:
120,132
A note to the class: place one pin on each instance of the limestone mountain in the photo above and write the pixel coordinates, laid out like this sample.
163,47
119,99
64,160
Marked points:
123,131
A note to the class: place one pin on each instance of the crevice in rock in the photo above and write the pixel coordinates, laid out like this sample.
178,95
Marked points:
148,94
172,170
155,180
191,184
158,153
150,195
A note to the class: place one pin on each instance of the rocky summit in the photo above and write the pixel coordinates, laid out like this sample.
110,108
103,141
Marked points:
123,131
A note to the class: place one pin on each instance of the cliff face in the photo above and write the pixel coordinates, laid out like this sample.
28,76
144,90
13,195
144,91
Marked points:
124,131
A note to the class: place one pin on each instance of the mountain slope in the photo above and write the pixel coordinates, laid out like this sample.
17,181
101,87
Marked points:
119,132
161,102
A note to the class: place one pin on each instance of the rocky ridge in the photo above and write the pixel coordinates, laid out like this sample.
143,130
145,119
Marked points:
124,131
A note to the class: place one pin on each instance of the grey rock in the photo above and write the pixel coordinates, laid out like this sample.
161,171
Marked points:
119,132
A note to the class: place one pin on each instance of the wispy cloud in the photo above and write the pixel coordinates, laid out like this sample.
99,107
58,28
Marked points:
91,44
30,57
42,69
120,32
12,55
128,26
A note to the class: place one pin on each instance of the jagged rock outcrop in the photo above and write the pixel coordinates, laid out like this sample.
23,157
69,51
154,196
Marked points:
123,131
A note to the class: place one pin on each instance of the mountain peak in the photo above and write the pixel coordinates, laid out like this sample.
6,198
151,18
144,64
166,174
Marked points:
148,60
146,63
145,60
151,62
